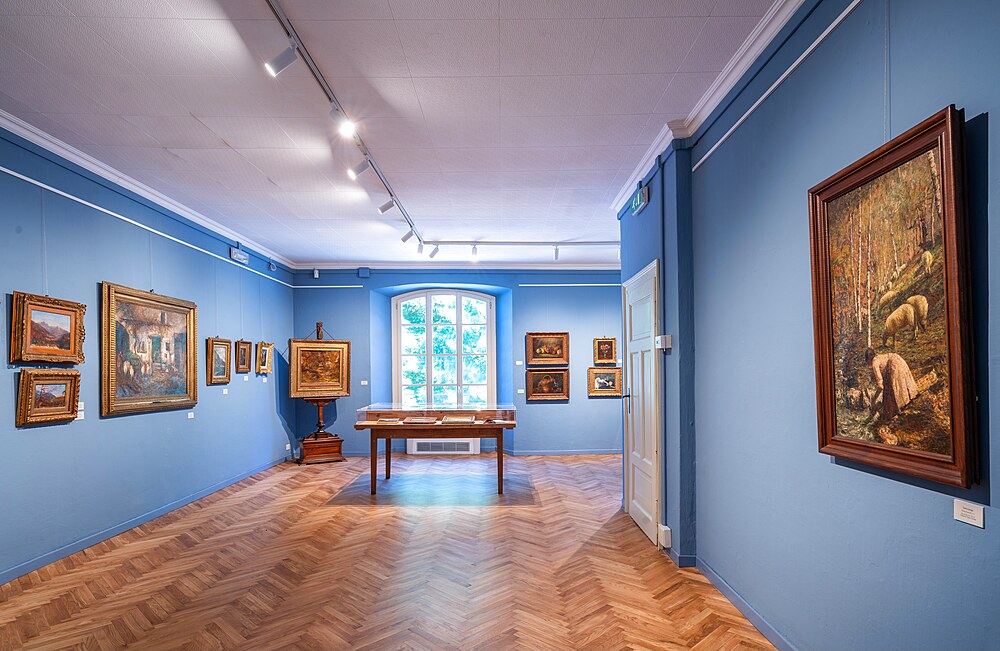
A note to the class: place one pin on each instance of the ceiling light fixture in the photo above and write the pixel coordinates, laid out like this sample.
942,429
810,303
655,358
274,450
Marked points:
420,248
555,253
435,251
358,169
475,253
315,273
347,128
387,206
285,58
408,235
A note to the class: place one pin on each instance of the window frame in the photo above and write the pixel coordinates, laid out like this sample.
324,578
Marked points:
397,357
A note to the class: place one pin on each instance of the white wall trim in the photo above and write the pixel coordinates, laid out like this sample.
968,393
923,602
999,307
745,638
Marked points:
770,24
569,284
430,267
52,144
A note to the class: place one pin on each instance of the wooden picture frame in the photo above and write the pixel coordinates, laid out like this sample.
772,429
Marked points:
47,395
149,355
265,358
243,353
546,384
319,368
604,382
605,350
218,360
45,329
890,263
548,348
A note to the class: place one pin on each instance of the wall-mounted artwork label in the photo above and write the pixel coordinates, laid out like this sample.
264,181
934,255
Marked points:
46,329
546,348
970,513
149,358
239,255
639,200
891,318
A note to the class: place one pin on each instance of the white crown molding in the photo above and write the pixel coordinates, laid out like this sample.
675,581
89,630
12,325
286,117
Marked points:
766,30
451,265
52,144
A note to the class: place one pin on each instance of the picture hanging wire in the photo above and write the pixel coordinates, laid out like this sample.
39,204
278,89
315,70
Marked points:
45,256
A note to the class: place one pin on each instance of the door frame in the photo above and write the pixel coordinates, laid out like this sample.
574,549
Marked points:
654,268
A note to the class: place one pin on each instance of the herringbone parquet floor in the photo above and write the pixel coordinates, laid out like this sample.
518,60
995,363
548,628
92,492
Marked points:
303,558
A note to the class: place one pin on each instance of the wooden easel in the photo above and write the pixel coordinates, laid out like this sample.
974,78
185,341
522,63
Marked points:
321,446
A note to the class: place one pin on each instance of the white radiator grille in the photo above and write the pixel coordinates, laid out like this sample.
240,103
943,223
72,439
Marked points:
442,446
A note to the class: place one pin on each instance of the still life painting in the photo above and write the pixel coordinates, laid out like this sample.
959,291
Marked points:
547,384
604,382
148,354
889,267
546,348
47,395
319,368
605,350
45,329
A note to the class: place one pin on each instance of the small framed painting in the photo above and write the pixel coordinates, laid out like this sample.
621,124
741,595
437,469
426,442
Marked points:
46,329
265,358
605,350
219,352
604,382
547,384
47,395
891,307
546,348
244,349
319,368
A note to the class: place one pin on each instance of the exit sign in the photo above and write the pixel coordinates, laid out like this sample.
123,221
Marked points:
640,199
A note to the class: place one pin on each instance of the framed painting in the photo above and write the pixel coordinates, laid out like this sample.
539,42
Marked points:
546,348
546,384
46,329
265,358
319,368
149,356
47,395
891,307
604,382
605,350
244,350
218,362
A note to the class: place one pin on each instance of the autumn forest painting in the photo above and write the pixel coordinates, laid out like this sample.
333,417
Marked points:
887,283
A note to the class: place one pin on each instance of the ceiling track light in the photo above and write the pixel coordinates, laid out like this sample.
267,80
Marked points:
420,248
358,169
408,235
555,253
475,253
435,251
280,63
387,206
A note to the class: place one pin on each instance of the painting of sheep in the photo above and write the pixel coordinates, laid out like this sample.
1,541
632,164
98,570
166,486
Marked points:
887,233
891,312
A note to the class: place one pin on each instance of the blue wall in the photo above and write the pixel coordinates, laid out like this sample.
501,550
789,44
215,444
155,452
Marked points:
583,425
824,554
68,486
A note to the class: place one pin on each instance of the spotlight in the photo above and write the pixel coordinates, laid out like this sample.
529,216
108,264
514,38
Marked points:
284,59
420,248
619,254
387,206
358,169
316,273
475,253
408,235
347,128
555,253
435,251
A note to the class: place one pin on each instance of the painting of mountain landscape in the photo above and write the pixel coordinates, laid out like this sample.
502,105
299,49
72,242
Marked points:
50,395
50,330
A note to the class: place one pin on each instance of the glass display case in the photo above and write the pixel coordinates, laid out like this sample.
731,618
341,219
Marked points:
391,413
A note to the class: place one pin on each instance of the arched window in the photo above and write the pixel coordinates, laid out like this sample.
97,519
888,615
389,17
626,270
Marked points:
443,343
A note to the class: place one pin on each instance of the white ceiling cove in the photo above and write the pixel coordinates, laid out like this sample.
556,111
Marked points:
491,119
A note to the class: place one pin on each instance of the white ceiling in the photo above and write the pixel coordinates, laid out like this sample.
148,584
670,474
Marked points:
491,119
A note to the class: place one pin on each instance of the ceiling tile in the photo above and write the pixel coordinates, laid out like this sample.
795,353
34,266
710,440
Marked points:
378,97
458,97
121,8
65,45
755,8
624,44
182,131
51,93
626,94
354,48
249,132
557,9
159,46
302,10
684,91
547,47
597,158
541,94
407,160
485,159
661,8
223,9
717,42
107,130
450,48
444,9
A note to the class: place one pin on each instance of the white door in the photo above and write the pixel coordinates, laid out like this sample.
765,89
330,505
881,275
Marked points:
642,406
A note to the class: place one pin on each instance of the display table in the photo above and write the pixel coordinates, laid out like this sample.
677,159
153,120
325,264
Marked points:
394,421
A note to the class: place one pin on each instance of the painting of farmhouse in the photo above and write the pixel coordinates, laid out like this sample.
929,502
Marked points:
887,283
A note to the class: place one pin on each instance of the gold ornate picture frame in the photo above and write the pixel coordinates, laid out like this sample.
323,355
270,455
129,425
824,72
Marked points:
605,350
548,348
243,351
604,382
319,368
218,362
45,329
47,395
265,358
149,354
546,384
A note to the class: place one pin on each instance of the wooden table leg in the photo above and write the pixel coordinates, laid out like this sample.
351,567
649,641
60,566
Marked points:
500,462
388,457
374,460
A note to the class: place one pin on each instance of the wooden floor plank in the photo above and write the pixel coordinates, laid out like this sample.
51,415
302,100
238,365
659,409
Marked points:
301,557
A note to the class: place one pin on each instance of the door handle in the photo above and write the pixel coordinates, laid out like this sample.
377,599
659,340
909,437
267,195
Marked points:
629,396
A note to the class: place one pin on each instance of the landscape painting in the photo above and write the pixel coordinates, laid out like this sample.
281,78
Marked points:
46,330
46,396
219,352
243,351
547,384
546,348
319,368
889,240
148,357
265,356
